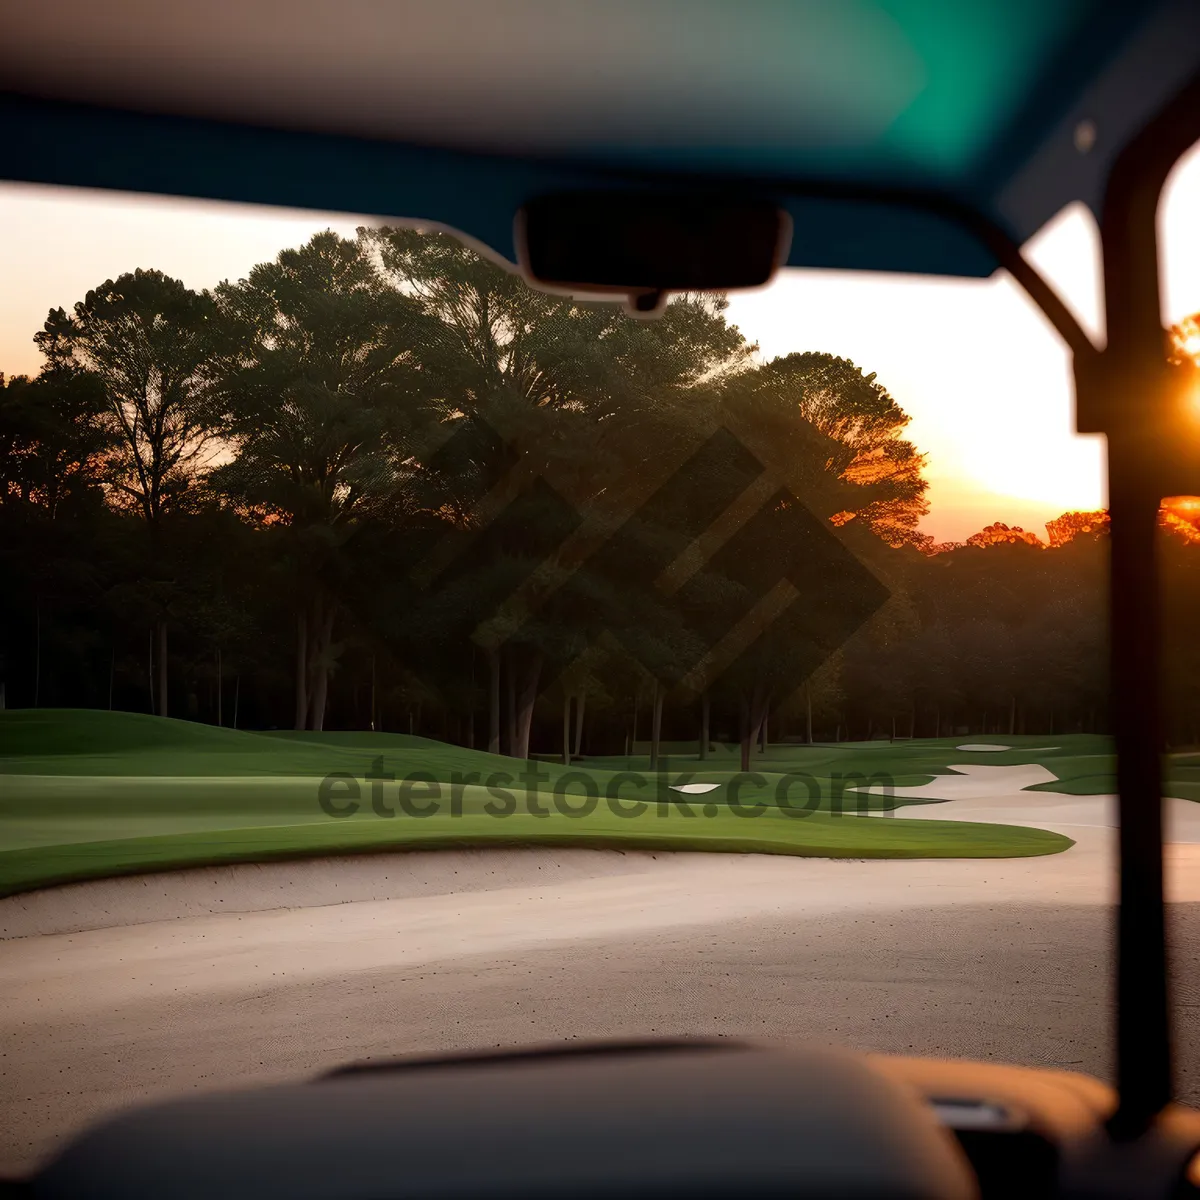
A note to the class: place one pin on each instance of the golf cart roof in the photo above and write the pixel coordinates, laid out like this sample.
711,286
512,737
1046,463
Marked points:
877,123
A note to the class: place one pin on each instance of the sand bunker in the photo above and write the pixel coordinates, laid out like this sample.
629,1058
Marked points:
301,883
249,974
998,795
977,747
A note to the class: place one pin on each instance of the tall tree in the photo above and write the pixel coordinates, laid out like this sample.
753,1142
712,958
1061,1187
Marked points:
538,387
147,339
317,359
54,530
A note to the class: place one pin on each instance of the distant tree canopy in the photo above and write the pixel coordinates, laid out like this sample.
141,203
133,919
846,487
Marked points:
865,423
1071,525
1001,534
57,447
381,483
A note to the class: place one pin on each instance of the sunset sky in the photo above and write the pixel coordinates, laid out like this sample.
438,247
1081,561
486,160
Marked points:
984,378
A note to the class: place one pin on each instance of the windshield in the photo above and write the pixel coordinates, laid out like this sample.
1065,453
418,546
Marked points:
397,659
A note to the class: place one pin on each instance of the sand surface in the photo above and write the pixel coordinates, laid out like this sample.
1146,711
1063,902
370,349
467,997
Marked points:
116,991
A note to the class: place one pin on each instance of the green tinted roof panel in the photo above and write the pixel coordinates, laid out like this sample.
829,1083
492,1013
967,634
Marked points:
459,111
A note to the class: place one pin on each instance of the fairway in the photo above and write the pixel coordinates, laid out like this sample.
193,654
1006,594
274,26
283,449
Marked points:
88,794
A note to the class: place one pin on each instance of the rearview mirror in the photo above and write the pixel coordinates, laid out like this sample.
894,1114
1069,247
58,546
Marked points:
645,244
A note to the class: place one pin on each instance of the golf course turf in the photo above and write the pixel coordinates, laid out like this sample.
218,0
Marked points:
85,794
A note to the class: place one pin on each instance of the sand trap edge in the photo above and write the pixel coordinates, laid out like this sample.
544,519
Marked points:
303,883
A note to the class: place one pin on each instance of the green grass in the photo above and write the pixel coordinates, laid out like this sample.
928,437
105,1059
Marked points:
86,794
1096,775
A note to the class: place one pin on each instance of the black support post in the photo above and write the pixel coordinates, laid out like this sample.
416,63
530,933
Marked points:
1127,392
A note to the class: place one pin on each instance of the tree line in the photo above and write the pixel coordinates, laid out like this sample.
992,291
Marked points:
380,483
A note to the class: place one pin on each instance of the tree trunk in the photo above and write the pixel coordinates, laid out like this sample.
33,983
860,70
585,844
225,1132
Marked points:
162,668
301,670
37,659
470,701
808,715
533,671
754,715
237,687
580,702
319,664
633,736
493,701
112,670
893,727
566,730
319,696
760,707
744,719
510,671
372,693
656,724
704,715
149,670
220,713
